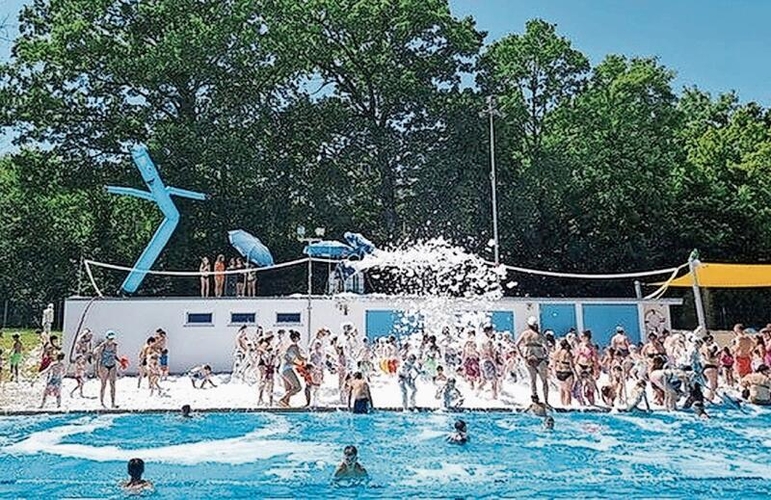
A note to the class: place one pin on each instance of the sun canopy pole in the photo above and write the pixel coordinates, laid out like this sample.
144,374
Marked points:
693,264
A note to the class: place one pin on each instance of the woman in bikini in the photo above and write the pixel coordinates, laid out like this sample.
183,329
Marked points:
564,370
710,352
204,268
219,279
106,355
588,367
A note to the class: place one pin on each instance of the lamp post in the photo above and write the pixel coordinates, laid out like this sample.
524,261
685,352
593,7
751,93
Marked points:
320,231
491,111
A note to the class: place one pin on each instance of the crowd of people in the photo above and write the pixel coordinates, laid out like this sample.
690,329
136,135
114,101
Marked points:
237,278
677,370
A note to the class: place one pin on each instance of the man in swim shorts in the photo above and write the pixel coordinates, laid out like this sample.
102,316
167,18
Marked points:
350,468
742,350
532,347
360,395
620,342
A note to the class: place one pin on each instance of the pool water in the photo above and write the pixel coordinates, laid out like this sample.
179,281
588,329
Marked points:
237,455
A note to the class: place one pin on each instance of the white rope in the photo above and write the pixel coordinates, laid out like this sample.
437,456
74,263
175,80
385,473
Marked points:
91,278
195,273
640,274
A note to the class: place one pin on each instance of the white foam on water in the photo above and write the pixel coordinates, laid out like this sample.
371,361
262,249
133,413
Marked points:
456,472
429,434
650,424
248,448
602,443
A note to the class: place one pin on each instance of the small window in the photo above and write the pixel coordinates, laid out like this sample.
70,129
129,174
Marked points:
243,318
288,318
200,319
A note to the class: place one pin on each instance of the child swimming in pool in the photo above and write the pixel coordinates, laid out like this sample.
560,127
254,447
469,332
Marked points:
460,436
350,468
135,483
548,423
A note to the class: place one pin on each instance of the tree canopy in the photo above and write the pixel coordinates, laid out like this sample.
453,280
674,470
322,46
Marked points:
368,116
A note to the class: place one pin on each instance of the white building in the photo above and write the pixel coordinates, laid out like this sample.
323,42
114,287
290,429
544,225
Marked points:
203,330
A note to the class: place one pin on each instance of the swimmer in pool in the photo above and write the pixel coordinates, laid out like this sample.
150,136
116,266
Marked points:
135,483
548,423
460,436
186,411
350,468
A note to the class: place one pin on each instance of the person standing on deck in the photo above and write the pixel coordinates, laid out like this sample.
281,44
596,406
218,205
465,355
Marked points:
106,355
47,321
219,278
532,347
743,346
290,358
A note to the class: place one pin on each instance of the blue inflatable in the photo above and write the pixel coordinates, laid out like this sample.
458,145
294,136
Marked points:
361,245
160,195
250,247
329,249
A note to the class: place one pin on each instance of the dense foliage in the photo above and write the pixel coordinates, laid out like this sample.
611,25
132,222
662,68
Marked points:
364,115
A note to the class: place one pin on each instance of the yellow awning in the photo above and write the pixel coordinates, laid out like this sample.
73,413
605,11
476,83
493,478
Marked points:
728,276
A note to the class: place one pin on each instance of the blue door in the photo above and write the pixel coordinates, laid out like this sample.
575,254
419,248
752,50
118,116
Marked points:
602,320
380,323
558,318
503,321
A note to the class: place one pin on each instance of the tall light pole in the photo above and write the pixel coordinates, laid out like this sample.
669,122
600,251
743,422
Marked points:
693,265
491,112
301,237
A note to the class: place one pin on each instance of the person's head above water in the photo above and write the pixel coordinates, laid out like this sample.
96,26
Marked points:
548,422
460,426
350,453
186,410
136,467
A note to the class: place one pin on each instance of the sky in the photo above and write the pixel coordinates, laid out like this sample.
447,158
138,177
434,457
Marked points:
719,45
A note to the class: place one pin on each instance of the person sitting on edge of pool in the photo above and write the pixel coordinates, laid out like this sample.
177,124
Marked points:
135,483
548,423
757,386
186,411
638,395
202,373
360,395
350,468
460,436
536,407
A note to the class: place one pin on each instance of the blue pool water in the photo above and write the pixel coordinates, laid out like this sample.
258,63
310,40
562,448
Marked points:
293,455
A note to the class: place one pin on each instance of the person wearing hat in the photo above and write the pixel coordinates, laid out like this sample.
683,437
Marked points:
620,342
106,355
758,386
533,349
47,321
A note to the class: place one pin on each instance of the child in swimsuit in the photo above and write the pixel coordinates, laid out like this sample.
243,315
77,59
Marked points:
164,360
80,374
55,372
15,359
727,365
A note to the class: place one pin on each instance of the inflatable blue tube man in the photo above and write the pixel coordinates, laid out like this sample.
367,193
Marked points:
161,195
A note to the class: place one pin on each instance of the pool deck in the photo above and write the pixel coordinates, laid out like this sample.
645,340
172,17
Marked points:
321,409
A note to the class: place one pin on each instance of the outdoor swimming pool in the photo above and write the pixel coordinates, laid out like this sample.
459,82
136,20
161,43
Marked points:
219,455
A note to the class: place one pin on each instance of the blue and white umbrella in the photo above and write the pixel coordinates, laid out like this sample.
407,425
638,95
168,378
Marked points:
251,248
328,249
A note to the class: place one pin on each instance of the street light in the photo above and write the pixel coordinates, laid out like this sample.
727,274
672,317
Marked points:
491,111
